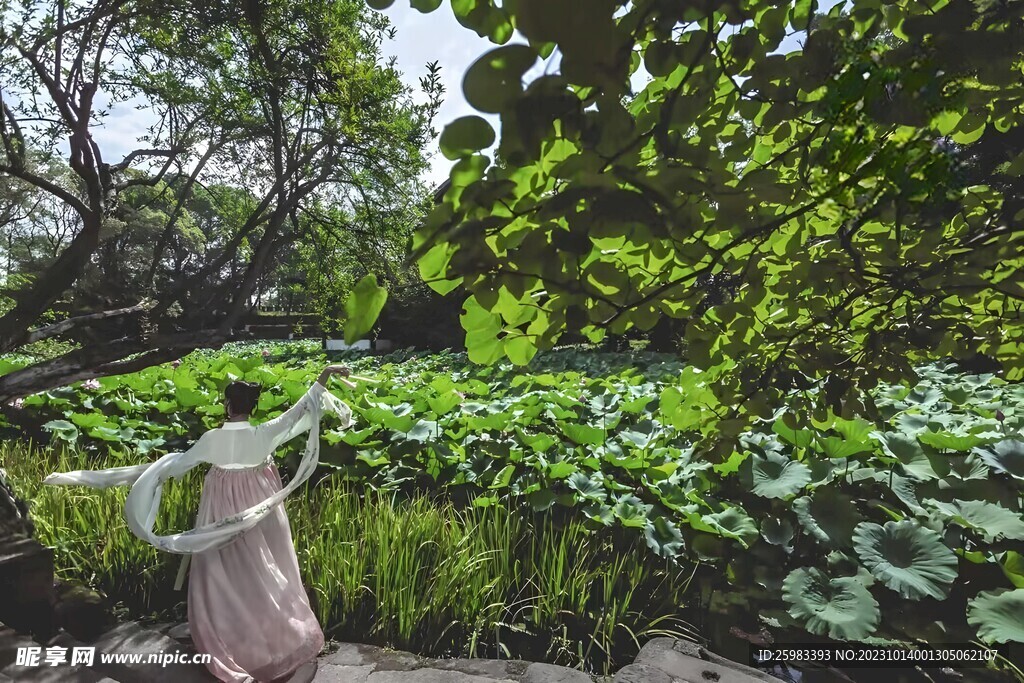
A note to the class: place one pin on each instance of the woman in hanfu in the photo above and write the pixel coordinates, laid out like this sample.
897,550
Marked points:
247,607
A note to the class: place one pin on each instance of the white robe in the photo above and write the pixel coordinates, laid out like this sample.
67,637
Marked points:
235,445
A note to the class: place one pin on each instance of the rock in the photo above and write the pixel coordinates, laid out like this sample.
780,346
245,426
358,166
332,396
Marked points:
549,673
692,663
305,673
180,632
495,668
82,612
159,626
353,654
642,673
10,641
331,673
130,638
430,676
26,582
61,673
396,660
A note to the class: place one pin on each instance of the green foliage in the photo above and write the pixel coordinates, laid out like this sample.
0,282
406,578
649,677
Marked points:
906,557
281,143
842,608
594,434
830,216
466,135
363,307
416,574
998,615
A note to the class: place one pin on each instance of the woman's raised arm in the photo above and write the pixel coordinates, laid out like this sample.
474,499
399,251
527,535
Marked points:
296,420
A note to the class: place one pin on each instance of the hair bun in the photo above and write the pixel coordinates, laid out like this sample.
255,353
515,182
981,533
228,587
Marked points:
243,396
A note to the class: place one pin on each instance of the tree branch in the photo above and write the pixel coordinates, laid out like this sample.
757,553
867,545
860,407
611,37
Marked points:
65,325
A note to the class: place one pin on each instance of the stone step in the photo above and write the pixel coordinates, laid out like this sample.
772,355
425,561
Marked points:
180,632
10,641
130,638
689,662
62,673
549,673
18,548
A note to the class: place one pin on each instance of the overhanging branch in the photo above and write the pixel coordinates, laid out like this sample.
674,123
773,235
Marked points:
65,325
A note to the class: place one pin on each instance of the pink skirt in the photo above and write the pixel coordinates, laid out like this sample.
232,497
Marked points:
246,604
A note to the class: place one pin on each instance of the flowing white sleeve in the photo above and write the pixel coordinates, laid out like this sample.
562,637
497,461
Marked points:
177,467
299,418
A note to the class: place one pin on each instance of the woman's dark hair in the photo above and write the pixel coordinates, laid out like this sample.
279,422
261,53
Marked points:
242,397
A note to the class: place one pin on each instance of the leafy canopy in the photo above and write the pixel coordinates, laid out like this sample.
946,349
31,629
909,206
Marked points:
829,216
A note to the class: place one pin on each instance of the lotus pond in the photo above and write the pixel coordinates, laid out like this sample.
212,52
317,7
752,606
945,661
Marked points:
562,511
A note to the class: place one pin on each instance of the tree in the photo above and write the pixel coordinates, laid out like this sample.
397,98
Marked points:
285,103
831,195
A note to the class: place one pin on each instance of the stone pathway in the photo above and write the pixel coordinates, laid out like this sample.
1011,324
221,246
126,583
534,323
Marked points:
662,660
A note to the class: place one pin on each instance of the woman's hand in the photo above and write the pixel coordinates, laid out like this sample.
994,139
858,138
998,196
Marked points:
341,370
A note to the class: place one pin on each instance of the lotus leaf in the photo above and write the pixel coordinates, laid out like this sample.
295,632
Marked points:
906,557
828,516
998,615
774,475
1006,456
840,608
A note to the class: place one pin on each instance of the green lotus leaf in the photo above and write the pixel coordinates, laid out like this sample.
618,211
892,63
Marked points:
801,438
425,6
924,395
911,423
599,512
992,521
733,523
663,537
910,453
62,429
541,500
777,531
828,516
841,608
774,475
840,447
363,307
998,615
591,488
466,135
951,441
905,489
585,435
906,557
1006,456
968,467
632,511
1012,564
89,420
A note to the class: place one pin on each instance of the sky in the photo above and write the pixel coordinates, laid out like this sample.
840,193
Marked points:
437,36
420,38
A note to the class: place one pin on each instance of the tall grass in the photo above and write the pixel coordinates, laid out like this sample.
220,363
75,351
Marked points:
414,573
